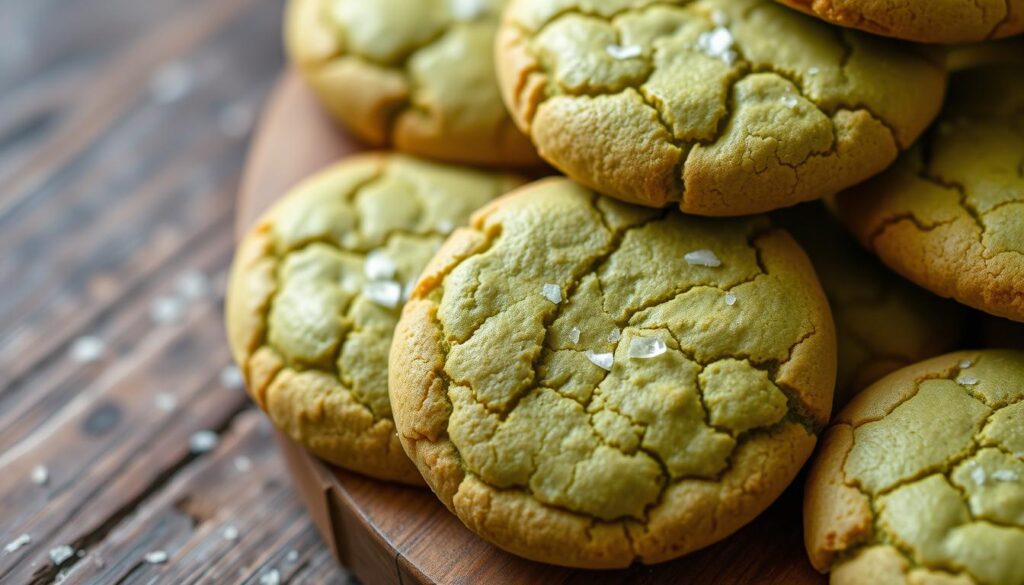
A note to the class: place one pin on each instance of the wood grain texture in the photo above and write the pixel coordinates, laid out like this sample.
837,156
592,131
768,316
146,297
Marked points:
394,534
123,131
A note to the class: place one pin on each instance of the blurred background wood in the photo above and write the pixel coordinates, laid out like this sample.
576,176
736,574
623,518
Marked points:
123,131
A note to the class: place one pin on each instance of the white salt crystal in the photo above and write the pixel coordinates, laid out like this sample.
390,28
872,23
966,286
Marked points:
718,17
615,335
718,43
789,101
813,71
40,475
271,577
171,82
967,380
601,360
59,554
230,532
156,557
574,335
231,377
192,285
624,52
166,310
445,226
467,10
242,464
964,364
235,120
17,543
1005,475
702,258
387,293
379,266
203,441
292,556
730,299
166,401
646,347
552,292
87,349
978,475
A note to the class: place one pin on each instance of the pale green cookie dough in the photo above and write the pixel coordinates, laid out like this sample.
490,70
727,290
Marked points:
316,289
719,107
883,322
950,214
417,75
921,477
589,383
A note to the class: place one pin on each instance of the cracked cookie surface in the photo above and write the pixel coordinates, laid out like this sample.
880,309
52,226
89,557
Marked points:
316,289
589,383
722,107
417,75
883,322
920,479
950,214
924,21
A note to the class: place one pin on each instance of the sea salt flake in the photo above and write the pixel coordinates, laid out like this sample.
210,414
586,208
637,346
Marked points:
615,335
171,82
87,349
601,360
789,101
967,380
1007,475
292,556
242,464
230,532
203,441
40,475
446,226
386,293
574,335
813,71
59,554
271,577
978,475
166,401
155,557
624,52
730,299
192,285
964,364
718,43
166,310
646,347
379,266
231,377
17,543
552,292
719,18
467,10
705,258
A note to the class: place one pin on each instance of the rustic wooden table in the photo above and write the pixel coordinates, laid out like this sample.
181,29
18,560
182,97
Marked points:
123,130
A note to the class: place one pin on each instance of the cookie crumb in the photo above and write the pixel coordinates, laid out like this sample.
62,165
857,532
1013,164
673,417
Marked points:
230,532
17,543
59,554
646,347
156,557
730,299
965,363
166,401
387,293
231,377
574,335
615,335
87,349
601,360
40,475
718,43
705,258
621,52
271,577
967,380
552,292
379,266
203,441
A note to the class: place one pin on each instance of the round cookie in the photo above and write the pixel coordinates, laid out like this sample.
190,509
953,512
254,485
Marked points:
950,214
316,289
924,21
417,75
920,480
722,107
883,322
589,383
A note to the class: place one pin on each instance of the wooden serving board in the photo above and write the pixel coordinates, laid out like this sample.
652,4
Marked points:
387,533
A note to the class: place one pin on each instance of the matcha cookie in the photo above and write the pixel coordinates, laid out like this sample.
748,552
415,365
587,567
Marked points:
883,322
722,107
925,21
417,75
920,480
316,289
589,383
950,214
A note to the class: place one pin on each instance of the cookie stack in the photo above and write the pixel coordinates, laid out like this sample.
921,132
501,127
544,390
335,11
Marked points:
631,361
